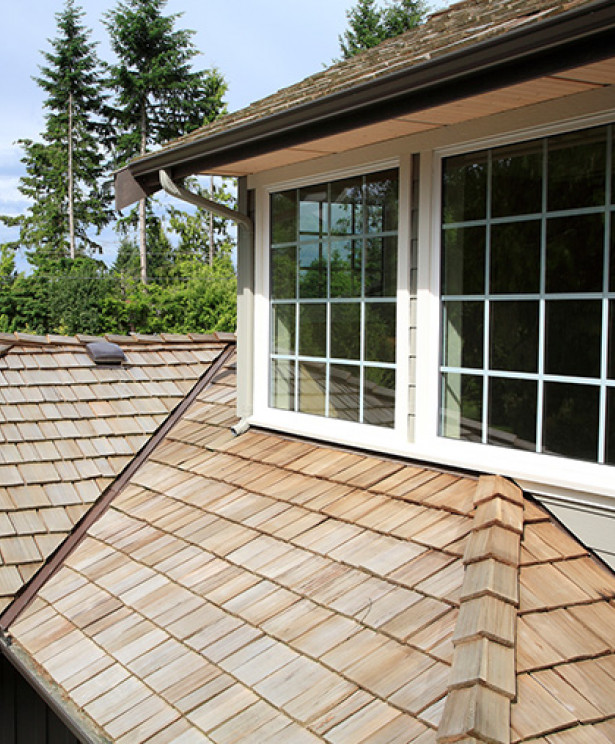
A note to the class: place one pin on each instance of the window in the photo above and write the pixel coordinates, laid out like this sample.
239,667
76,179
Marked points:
333,286
528,296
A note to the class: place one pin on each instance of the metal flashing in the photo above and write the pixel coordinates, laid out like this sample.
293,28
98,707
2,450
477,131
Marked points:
104,352
67,711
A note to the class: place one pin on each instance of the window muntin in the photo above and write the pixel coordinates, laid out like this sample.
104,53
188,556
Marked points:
333,270
528,296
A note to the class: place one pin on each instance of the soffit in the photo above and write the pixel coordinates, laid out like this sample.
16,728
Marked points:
68,427
262,588
508,98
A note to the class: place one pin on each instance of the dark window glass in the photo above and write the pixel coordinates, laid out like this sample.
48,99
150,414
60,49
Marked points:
517,180
283,329
464,188
611,357
284,272
380,331
463,262
381,198
312,387
571,420
577,170
345,330
512,413
313,212
573,337
347,207
346,262
610,426
463,334
284,217
575,250
312,270
379,396
462,406
515,258
313,330
344,392
514,336
612,248
381,267
544,235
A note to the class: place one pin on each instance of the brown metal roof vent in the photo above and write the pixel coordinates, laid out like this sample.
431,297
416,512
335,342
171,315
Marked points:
104,352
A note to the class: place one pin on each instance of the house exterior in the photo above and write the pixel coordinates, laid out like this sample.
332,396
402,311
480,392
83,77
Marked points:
423,357
269,588
432,242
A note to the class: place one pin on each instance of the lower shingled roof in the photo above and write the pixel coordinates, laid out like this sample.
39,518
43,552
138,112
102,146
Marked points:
269,589
68,427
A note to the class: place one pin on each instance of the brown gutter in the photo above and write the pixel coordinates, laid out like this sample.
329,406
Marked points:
570,38
28,592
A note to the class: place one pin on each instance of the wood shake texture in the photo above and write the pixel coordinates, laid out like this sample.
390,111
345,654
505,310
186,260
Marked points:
68,427
268,589
445,32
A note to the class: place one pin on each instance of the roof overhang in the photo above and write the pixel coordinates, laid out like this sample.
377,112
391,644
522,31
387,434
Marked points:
578,42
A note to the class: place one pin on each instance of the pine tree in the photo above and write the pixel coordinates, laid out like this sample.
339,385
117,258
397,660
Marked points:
368,25
364,28
64,171
402,15
159,96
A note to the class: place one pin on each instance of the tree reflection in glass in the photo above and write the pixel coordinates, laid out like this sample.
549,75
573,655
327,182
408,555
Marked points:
334,251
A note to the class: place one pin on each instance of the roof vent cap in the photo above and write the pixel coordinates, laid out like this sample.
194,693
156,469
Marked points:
104,352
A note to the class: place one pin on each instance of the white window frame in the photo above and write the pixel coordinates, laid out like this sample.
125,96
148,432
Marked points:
539,472
345,432
555,476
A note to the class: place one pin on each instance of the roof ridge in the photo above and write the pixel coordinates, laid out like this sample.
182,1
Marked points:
483,681
133,339
55,561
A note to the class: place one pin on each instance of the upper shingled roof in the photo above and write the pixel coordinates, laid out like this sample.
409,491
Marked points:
269,589
68,427
452,29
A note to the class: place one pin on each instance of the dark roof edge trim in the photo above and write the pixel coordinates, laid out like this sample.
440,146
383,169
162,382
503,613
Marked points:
28,592
67,711
516,47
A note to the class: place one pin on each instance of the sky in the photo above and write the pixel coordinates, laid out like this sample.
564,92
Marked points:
259,47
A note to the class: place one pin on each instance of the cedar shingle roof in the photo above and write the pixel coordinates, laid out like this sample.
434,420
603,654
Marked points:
263,588
68,427
461,25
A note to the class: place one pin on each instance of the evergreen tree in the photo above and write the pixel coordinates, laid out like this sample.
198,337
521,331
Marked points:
159,96
201,235
64,171
368,25
401,16
364,28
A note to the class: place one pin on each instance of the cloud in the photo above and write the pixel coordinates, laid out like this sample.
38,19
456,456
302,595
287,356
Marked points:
12,202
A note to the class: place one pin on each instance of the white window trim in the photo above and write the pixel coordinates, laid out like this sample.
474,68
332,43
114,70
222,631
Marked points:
343,432
542,473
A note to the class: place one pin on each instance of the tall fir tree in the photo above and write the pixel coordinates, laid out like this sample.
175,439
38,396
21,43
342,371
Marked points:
368,24
64,171
159,95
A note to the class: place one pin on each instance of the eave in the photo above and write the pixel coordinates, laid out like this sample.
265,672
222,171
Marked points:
578,42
